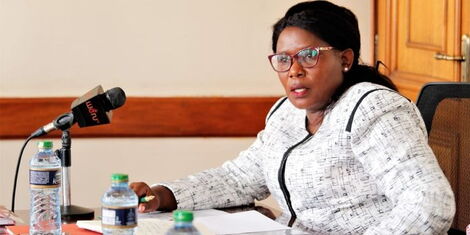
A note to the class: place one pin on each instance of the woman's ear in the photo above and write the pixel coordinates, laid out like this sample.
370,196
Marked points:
347,58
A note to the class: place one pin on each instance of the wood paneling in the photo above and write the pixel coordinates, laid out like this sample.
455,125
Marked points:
410,33
426,25
466,17
144,117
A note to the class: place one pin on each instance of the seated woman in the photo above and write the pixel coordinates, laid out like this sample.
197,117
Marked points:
342,153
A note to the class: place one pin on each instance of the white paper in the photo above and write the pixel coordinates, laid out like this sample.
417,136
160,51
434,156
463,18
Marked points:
93,225
152,226
146,226
169,215
242,222
206,221
6,221
155,222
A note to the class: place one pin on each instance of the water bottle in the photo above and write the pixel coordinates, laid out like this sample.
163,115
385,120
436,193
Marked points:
44,180
183,224
119,207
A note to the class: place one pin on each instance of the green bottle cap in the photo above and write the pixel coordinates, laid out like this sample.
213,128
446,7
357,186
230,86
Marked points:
117,177
45,144
183,216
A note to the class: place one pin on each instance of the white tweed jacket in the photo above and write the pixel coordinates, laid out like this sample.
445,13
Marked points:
368,169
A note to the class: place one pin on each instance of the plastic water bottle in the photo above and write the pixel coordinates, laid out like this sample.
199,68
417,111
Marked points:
119,207
44,180
183,224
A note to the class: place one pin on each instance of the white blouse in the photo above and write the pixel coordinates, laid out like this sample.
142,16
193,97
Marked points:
368,169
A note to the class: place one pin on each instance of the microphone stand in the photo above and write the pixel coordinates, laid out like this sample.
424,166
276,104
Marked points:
69,212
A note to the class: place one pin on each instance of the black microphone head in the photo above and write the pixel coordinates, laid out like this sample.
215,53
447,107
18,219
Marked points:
93,108
116,97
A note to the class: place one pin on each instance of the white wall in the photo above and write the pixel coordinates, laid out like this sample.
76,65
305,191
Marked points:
94,160
149,48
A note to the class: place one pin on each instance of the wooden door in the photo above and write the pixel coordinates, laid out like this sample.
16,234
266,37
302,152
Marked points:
408,35
411,32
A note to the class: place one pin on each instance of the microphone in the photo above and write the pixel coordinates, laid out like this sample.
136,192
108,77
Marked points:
93,108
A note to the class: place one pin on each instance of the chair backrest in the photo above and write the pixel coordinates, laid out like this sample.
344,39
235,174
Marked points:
445,108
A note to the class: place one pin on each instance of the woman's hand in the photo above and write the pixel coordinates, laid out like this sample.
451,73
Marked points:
143,190
164,199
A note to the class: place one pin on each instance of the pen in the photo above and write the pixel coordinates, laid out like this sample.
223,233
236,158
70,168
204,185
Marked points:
146,199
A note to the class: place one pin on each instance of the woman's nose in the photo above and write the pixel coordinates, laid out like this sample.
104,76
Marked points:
296,70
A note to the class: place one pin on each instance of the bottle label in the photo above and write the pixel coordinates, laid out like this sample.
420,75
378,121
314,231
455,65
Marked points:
44,178
121,217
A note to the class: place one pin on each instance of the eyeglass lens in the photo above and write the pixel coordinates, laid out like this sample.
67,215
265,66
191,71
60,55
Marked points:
307,58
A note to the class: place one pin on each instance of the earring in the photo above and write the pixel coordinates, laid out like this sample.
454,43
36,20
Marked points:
345,69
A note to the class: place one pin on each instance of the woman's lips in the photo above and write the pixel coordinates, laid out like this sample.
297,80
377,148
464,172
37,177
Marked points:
299,91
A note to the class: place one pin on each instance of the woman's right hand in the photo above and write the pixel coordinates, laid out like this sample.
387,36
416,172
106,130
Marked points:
164,198
143,190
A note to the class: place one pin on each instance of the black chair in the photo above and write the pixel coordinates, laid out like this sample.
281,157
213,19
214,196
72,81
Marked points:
445,108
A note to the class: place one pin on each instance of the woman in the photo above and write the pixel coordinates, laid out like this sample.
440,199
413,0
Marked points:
344,153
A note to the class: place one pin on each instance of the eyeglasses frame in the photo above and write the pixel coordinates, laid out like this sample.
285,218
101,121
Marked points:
296,55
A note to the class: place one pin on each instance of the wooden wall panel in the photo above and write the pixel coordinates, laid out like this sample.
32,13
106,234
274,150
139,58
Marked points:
144,117
409,34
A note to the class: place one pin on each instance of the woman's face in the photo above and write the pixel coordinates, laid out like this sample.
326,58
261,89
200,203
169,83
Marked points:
310,88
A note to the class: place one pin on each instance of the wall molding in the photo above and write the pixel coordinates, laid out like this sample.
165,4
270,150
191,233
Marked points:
144,117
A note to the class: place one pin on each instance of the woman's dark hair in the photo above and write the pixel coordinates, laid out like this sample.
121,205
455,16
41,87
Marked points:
338,27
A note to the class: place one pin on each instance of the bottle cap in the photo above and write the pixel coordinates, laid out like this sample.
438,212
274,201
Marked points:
183,216
45,144
118,177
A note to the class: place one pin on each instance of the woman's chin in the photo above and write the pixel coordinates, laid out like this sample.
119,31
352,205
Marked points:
307,104
299,103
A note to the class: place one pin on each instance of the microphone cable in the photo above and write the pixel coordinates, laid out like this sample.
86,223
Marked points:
16,173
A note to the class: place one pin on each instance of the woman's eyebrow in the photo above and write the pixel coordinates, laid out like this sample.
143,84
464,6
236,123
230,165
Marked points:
302,48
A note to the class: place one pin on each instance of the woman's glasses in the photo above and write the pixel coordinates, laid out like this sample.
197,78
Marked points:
307,57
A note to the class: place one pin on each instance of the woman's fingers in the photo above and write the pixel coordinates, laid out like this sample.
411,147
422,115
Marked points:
143,190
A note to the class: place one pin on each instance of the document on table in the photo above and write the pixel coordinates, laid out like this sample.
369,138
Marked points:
206,221
169,216
242,222
154,222
146,226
